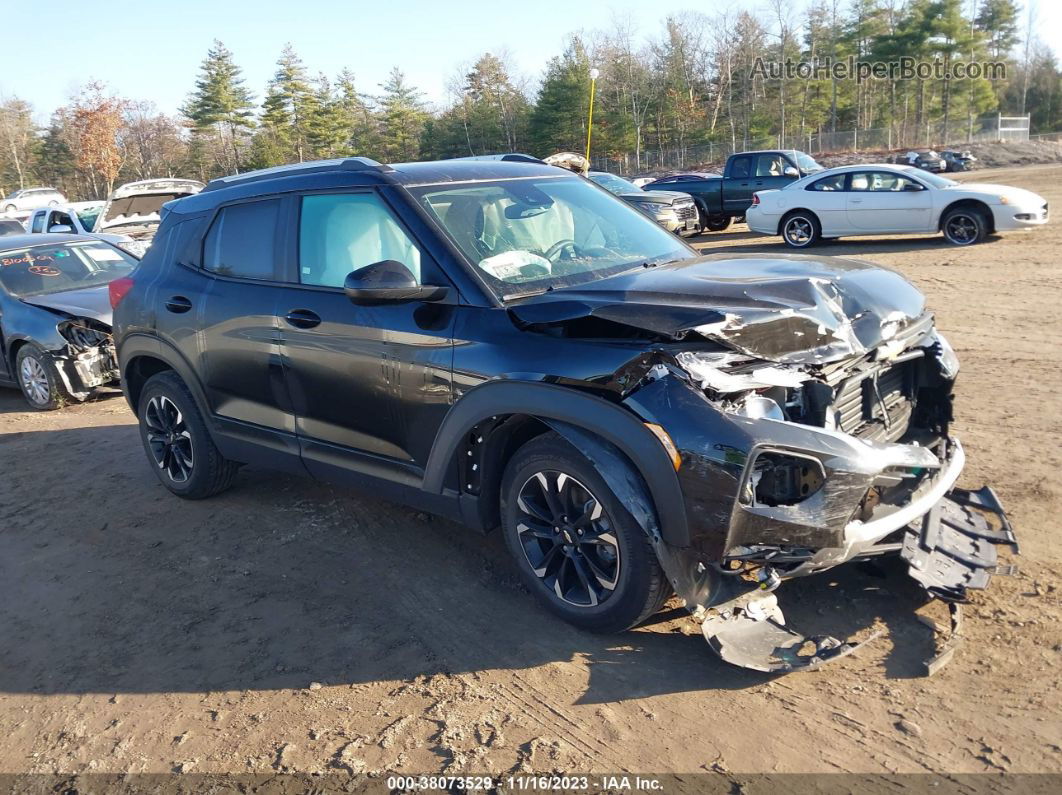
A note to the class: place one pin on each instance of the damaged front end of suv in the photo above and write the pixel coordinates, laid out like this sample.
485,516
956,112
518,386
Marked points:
808,403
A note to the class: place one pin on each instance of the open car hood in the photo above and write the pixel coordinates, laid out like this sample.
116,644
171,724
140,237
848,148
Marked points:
91,302
140,203
793,308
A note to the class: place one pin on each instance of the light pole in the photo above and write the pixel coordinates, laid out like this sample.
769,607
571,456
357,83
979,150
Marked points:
590,121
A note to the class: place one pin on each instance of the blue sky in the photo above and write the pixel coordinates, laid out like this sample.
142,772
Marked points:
151,50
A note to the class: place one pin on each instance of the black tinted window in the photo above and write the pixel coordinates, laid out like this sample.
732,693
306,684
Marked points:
832,182
240,241
740,167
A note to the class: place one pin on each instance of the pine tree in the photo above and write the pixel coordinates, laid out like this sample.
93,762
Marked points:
402,118
290,104
360,130
558,121
221,104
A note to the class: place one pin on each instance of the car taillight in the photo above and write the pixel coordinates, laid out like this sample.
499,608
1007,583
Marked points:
117,290
755,198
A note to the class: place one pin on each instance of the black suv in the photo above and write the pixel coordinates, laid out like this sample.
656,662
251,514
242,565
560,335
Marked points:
507,344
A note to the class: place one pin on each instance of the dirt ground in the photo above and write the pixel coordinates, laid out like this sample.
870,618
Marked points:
292,626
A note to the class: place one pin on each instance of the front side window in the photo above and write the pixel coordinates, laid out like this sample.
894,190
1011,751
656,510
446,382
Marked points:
340,233
880,181
770,165
241,240
42,270
528,235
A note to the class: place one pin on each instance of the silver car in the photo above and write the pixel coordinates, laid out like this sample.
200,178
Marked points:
31,199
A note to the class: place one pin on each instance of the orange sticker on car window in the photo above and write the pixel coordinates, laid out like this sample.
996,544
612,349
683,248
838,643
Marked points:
44,270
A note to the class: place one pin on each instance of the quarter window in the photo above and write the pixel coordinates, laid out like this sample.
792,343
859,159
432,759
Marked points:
241,240
740,167
38,222
340,233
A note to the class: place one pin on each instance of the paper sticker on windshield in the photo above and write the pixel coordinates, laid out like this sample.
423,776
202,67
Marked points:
44,270
516,266
104,255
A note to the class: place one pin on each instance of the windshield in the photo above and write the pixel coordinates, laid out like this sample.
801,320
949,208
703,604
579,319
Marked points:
611,182
935,180
530,235
43,270
806,162
88,217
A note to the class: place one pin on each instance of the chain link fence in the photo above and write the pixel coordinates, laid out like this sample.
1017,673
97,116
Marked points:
988,128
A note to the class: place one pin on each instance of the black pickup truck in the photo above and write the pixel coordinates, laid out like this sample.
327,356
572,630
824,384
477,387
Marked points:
720,199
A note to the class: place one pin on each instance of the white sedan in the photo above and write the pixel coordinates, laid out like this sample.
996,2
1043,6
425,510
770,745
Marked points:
890,200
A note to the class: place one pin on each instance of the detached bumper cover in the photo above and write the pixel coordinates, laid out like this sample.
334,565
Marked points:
954,549
950,550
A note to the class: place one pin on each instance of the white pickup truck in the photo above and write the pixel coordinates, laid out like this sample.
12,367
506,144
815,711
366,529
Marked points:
78,218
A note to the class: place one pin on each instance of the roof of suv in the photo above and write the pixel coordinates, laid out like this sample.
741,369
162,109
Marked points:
354,171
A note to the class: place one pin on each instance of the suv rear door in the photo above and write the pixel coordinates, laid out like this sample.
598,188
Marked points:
369,384
221,315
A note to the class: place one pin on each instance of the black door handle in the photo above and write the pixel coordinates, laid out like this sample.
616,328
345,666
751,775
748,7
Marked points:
302,318
178,304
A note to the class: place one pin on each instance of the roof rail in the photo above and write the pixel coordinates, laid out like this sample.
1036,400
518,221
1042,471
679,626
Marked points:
291,169
510,157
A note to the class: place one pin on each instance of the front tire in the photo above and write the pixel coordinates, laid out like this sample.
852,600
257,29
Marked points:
41,384
9,208
964,226
177,442
575,545
801,229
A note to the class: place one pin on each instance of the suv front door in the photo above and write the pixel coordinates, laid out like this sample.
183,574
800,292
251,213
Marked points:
369,384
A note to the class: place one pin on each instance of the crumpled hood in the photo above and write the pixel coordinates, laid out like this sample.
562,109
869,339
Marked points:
787,308
91,302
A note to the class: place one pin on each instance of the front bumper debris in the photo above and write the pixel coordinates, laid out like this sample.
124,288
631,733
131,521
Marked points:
750,631
954,548
950,550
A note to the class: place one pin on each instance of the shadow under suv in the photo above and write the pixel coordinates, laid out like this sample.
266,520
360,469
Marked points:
507,344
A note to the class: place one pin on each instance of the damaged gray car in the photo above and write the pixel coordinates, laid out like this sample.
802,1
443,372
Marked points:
55,317
503,343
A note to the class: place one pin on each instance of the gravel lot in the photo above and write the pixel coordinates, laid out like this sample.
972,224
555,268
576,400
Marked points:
293,626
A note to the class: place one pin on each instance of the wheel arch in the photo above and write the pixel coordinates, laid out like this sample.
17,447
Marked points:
785,217
519,410
973,204
142,356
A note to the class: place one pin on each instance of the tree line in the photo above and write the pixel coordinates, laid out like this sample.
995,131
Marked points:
697,80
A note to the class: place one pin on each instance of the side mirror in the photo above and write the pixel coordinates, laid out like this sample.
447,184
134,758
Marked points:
388,282
791,171
62,229
912,186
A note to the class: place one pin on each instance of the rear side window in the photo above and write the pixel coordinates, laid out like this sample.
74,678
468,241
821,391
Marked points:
340,233
241,240
740,167
834,182
38,222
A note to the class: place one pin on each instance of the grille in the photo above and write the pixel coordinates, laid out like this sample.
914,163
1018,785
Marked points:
877,406
685,211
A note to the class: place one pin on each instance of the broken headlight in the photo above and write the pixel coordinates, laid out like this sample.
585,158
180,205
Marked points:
82,335
945,354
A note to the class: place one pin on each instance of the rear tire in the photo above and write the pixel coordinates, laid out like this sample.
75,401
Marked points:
577,548
800,229
717,224
177,442
964,226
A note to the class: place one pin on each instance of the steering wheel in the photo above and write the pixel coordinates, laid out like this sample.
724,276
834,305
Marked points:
554,251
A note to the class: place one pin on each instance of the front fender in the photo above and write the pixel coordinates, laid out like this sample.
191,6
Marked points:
547,402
